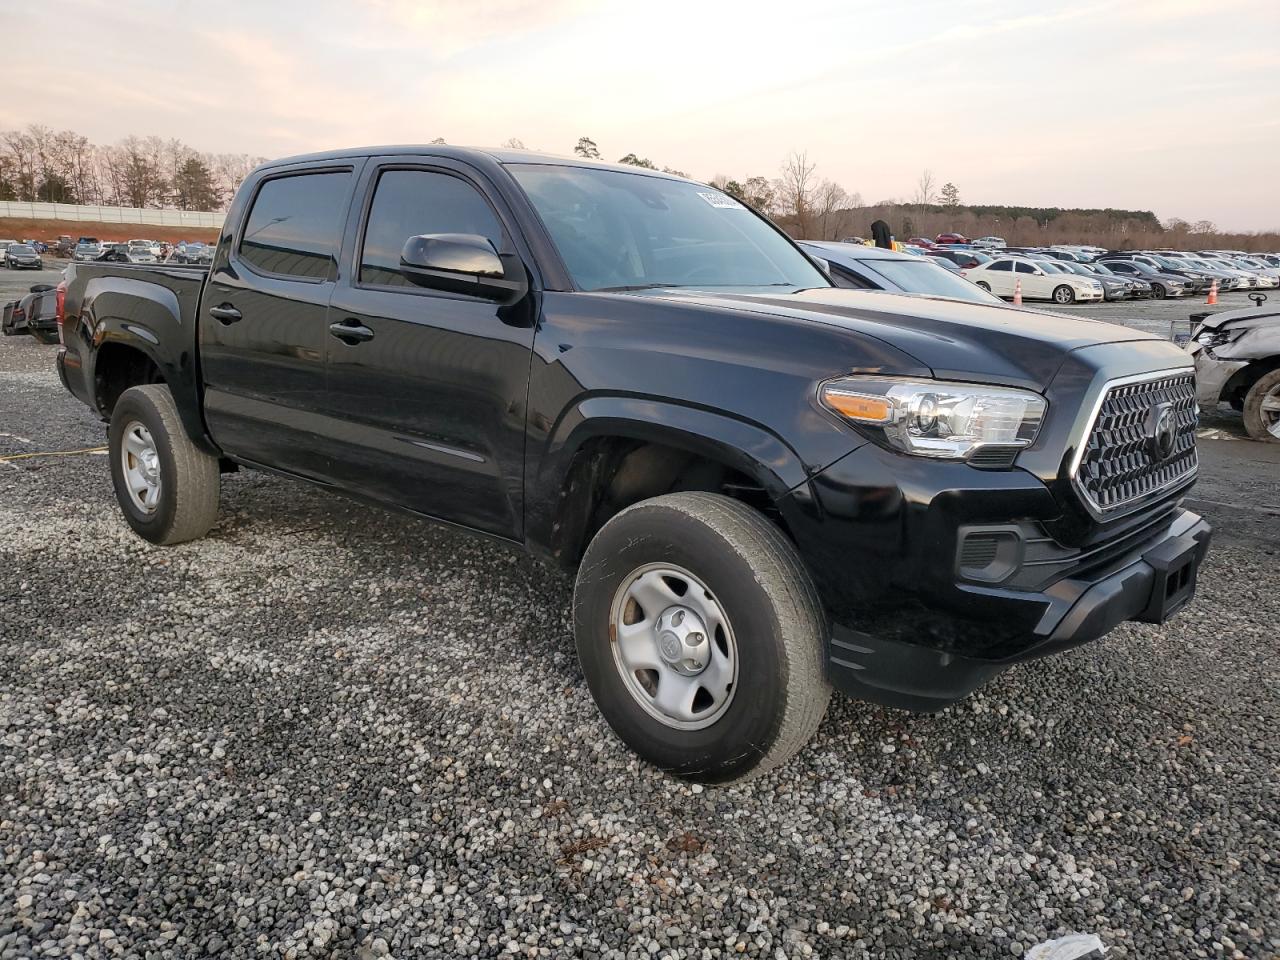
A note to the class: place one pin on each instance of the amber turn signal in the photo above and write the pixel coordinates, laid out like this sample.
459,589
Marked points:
859,406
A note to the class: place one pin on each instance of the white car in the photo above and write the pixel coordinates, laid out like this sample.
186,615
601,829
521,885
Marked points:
990,243
144,247
1040,281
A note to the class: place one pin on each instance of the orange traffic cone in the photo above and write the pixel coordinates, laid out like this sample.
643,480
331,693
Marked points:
1017,293
1213,293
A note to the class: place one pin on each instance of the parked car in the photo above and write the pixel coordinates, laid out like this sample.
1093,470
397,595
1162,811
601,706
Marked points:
194,253
951,238
1259,266
65,246
1040,281
1162,284
34,315
87,250
873,268
116,253
1141,285
22,256
766,485
1237,356
150,247
921,242
4,246
990,243
1113,287
964,259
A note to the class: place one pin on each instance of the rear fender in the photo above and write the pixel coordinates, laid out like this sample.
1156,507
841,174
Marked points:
149,318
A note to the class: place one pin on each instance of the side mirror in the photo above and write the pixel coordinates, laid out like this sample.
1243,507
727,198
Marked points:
460,263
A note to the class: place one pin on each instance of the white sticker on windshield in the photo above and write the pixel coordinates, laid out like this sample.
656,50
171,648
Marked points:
720,200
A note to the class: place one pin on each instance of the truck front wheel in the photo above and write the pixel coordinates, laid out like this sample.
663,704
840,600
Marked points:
700,635
166,485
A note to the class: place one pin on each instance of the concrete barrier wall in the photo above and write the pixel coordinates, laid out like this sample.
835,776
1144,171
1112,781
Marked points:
92,214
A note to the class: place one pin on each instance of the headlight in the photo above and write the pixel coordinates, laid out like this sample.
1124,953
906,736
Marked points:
934,418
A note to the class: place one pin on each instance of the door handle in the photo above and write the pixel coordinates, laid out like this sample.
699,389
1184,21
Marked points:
225,314
351,332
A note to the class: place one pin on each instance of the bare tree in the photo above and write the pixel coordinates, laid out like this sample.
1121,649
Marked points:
587,148
514,143
795,191
828,199
925,194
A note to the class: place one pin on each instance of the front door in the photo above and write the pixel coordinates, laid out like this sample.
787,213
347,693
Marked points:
263,328
427,389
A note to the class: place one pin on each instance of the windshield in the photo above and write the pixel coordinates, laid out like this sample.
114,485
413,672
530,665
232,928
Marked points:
621,230
1050,266
921,276
21,248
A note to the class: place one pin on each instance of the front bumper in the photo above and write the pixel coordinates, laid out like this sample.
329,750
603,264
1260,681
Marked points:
916,628
1150,587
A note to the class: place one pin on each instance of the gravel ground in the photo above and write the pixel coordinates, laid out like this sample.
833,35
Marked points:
328,731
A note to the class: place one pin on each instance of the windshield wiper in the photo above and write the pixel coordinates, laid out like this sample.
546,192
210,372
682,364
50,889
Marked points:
634,286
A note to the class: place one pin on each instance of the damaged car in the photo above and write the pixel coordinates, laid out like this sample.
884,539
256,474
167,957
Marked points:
1237,356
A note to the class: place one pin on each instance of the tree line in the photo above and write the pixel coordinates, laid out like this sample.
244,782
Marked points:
41,164
38,163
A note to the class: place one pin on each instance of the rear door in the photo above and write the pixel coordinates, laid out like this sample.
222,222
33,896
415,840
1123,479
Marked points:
1000,276
428,389
263,328
1034,281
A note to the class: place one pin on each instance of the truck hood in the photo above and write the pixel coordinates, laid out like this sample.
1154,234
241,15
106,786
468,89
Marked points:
957,340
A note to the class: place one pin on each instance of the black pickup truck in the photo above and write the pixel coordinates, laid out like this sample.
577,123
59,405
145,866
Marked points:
767,486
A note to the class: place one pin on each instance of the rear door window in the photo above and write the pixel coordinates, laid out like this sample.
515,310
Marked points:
295,225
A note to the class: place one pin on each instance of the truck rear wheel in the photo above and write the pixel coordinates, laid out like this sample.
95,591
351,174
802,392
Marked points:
700,635
166,485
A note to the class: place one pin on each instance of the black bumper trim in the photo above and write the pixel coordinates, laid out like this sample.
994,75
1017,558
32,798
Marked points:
1151,588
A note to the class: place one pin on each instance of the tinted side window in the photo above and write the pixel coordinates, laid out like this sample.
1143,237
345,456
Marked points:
407,203
295,225
844,277
1025,268
1001,265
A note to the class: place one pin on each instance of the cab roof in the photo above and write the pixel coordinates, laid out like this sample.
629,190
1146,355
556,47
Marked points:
501,155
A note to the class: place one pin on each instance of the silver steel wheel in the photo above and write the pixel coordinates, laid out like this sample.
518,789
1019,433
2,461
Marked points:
1269,411
1064,294
673,646
141,466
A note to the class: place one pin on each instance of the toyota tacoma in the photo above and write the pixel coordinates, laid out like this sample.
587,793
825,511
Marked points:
766,487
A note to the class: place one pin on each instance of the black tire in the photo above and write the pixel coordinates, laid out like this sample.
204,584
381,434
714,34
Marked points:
1258,422
1157,291
187,504
1063,294
779,626
984,285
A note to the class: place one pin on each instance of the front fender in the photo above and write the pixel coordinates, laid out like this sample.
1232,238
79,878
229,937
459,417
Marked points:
741,445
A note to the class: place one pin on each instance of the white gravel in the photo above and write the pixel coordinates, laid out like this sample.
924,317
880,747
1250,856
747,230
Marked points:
329,731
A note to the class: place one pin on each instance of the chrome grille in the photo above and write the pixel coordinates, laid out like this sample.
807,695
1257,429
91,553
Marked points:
1119,465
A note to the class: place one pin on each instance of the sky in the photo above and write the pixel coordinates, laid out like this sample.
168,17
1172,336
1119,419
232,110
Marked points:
1164,105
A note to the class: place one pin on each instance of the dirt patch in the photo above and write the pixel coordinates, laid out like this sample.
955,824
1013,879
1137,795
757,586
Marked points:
17,228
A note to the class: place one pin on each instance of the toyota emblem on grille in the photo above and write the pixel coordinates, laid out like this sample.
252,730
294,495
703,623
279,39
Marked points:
1162,431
